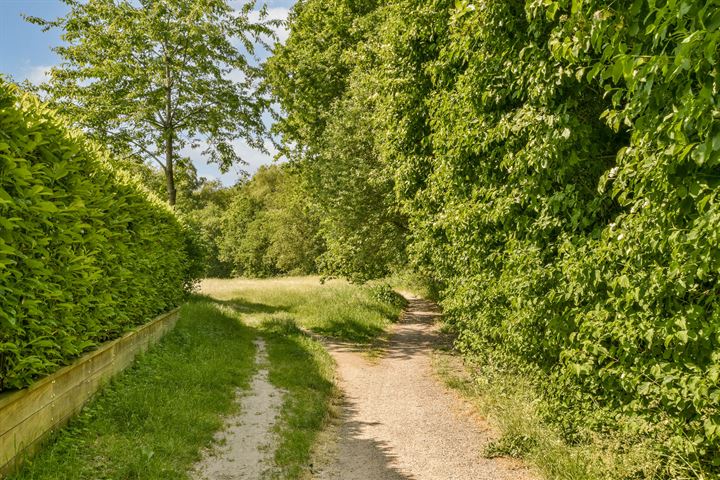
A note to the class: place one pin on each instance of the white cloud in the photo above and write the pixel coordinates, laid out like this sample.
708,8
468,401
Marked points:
38,74
253,157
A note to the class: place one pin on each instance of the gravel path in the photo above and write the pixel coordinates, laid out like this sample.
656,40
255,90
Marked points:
244,448
399,422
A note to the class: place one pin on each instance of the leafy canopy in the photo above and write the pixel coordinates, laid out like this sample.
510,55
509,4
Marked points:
150,77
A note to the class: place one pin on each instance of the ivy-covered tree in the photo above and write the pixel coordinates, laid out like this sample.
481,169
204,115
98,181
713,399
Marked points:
148,78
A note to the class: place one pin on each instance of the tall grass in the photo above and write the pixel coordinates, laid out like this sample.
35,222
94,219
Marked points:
513,408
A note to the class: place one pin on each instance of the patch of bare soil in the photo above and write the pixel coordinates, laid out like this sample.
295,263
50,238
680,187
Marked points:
244,448
399,422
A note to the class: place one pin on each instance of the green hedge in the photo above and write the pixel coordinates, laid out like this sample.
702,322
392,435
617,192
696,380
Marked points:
85,253
572,206
558,163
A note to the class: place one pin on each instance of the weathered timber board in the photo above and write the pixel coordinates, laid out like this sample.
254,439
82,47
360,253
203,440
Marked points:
28,416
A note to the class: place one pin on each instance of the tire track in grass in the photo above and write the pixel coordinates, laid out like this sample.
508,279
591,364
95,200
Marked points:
245,447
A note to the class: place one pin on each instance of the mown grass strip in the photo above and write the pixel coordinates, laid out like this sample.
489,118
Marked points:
151,421
304,370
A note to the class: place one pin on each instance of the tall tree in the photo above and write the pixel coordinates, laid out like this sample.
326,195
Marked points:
150,77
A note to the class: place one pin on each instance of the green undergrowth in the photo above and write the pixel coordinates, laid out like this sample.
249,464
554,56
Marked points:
513,408
152,420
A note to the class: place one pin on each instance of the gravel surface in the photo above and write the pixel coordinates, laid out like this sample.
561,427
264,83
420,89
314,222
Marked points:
400,422
244,447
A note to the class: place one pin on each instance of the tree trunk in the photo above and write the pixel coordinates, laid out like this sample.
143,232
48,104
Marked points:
169,137
169,170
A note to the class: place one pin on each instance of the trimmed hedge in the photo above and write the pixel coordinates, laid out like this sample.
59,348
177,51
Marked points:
85,252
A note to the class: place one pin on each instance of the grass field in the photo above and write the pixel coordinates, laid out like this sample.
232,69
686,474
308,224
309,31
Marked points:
334,308
153,420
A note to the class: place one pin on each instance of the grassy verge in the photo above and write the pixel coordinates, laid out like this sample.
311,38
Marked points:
151,422
304,370
511,405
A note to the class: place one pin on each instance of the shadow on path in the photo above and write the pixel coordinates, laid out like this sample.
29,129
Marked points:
399,422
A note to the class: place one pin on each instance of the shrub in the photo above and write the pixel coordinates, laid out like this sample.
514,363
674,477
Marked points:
556,165
85,252
382,292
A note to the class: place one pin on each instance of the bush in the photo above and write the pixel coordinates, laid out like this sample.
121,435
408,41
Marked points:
85,253
571,203
382,292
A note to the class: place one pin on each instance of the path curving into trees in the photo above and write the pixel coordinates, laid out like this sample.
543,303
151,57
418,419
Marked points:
401,423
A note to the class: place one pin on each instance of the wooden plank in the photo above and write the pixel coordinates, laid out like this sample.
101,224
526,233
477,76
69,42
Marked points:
73,398
28,416
35,446
18,411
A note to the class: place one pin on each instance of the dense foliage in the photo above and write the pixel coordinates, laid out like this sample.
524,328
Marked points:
555,165
327,84
269,227
85,253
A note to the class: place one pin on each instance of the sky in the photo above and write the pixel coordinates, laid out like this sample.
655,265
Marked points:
26,53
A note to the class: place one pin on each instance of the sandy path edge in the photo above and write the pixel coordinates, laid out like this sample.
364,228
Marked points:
399,422
243,449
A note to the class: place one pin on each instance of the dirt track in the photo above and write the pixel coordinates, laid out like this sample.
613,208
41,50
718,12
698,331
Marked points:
244,447
399,422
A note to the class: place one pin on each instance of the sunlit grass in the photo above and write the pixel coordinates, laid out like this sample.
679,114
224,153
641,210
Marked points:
152,420
302,368
335,308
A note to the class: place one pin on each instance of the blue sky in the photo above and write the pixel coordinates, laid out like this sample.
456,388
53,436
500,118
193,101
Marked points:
25,53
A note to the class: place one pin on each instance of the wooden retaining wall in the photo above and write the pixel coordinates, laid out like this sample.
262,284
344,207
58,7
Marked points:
28,416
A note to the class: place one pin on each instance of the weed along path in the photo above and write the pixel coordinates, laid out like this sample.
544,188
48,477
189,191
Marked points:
244,447
399,422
